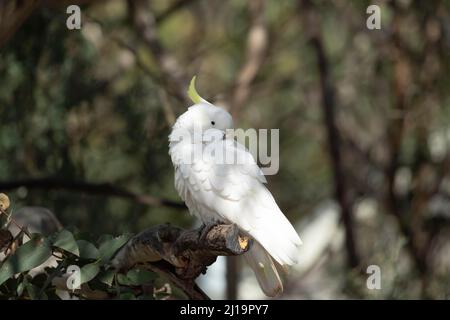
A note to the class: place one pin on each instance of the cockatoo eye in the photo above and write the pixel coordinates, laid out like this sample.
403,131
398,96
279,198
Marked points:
213,122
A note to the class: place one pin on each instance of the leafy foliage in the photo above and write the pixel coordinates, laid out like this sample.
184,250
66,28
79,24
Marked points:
28,256
42,268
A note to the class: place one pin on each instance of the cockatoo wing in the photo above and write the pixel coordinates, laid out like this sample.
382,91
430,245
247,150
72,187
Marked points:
234,191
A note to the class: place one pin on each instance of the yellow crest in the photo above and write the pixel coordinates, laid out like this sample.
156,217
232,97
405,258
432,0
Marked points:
192,92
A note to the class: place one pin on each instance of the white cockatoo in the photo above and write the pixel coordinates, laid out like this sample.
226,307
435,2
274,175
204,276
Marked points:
230,191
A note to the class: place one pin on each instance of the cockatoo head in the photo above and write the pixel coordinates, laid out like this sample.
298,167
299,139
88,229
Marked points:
203,115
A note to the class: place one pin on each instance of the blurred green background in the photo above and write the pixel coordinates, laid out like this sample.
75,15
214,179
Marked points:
87,112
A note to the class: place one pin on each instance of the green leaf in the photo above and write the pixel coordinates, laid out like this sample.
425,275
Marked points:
123,279
138,276
161,295
107,278
108,248
66,241
28,256
127,296
104,238
21,287
87,250
89,271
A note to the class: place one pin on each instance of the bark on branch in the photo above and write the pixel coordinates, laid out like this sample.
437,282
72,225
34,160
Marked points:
182,255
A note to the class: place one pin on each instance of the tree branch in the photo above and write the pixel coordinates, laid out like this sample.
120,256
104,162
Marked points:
12,16
181,254
105,189
257,41
172,73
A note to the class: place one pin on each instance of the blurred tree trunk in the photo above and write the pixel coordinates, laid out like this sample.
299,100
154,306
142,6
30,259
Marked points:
311,23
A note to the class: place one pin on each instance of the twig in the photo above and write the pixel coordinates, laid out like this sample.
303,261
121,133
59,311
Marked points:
17,224
6,240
